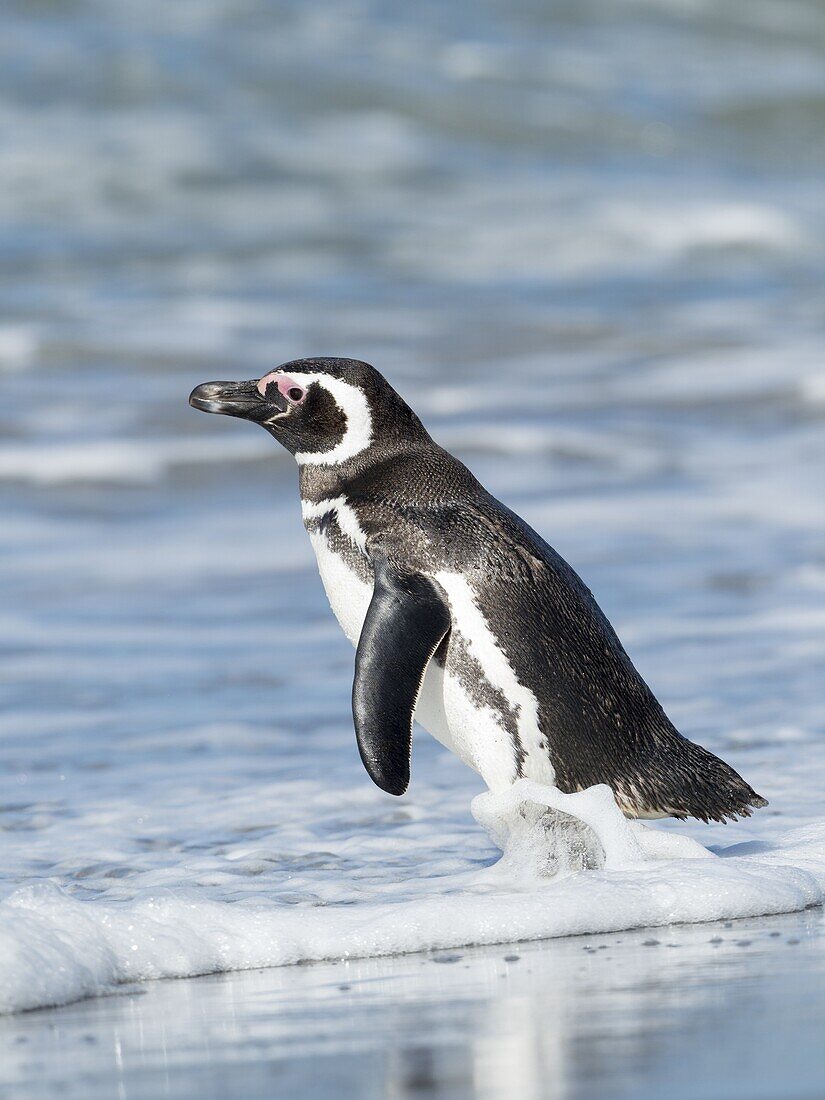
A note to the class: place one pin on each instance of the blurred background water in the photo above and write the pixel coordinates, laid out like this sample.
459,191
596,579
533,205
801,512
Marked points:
584,240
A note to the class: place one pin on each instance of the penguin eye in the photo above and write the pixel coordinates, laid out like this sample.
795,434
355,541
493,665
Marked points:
287,387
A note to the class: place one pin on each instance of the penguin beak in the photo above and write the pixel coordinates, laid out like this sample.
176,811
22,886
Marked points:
240,399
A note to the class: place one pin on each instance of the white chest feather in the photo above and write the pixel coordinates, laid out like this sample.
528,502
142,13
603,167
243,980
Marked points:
348,594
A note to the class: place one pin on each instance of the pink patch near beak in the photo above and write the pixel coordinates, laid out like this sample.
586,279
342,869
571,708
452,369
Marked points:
285,383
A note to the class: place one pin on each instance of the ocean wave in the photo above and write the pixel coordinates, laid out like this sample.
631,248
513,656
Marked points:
56,948
136,461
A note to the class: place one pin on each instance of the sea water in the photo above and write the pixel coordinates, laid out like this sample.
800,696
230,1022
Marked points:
585,248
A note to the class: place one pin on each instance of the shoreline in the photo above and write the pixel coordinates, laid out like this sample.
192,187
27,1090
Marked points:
682,1004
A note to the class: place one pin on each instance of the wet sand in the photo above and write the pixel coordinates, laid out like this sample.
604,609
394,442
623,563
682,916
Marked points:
725,1010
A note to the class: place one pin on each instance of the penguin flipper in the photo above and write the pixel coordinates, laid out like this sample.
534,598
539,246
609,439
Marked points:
405,624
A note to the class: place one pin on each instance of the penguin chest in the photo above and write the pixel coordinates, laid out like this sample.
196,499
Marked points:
471,701
339,544
348,590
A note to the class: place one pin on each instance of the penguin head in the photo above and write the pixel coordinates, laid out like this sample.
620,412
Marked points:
326,412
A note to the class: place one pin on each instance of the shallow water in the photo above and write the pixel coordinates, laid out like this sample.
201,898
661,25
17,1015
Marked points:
587,249
722,1010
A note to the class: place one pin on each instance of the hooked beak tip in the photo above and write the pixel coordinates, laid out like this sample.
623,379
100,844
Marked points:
203,397
230,398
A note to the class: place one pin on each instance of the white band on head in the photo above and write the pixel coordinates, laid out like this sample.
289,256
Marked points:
358,432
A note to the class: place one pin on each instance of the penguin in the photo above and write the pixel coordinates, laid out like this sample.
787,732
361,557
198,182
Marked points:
463,618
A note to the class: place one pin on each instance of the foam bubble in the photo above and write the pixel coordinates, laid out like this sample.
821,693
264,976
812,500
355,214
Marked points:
56,948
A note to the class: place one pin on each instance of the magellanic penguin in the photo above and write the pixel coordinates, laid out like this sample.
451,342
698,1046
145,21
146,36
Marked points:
462,616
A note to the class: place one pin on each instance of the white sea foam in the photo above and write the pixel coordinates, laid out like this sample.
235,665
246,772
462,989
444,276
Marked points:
505,232
55,948
18,346
122,460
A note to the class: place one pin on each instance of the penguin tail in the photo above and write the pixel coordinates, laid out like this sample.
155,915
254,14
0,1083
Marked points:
685,780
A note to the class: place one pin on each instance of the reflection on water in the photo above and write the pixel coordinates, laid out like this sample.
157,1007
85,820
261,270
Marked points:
717,1010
